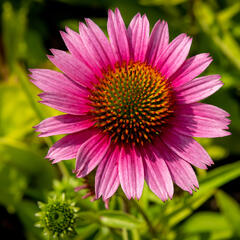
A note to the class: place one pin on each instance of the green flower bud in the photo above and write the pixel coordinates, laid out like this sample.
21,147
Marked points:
58,218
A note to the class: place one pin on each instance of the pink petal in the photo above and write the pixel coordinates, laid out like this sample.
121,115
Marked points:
118,36
198,89
158,42
133,22
190,69
80,47
67,147
185,113
187,148
183,175
138,32
66,103
157,174
73,43
91,153
106,179
194,124
55,82
206,111
63,124
201,120
195,130
73,68
131,173
131,31
174,55
102,43
181,171
93,55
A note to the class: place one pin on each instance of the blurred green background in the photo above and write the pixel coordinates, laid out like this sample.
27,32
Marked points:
28,29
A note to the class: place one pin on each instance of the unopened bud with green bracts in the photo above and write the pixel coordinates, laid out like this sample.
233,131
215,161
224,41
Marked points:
58,218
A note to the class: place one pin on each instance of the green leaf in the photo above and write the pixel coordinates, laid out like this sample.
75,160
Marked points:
186,207
205,225
228,13
218,177
204,14
103,233
208,185
230,209
117,219
87,217
135,234
227,44
205,222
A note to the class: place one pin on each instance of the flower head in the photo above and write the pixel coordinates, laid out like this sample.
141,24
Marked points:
132,104
57,217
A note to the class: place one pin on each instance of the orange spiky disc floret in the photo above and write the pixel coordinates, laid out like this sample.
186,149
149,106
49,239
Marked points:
132,103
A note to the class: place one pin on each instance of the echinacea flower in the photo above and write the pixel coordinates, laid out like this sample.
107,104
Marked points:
132,107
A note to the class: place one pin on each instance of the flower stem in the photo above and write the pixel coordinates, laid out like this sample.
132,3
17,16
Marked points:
63,170
147,220
124,234
24,84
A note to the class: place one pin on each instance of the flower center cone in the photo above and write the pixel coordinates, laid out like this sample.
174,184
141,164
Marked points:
132,103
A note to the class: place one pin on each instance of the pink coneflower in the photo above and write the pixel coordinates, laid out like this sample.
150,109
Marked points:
132,107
